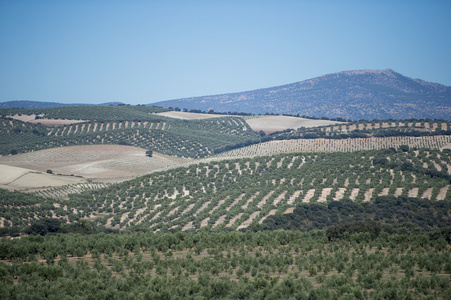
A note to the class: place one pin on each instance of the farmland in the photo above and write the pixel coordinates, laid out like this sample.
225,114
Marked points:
25,179
221,206
187,115
281,264
337,145
234,194
95,163
108,125
270,124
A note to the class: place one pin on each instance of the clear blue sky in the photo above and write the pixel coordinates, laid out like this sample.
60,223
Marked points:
139,52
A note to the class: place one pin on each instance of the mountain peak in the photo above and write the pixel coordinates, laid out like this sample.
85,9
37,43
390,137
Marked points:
367,71
354,94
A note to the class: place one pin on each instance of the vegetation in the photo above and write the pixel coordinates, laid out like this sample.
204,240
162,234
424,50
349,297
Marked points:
278,264
374,128
351,218
234,194
396,215
93,112
125,125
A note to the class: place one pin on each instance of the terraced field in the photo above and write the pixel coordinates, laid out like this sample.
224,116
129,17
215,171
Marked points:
237,193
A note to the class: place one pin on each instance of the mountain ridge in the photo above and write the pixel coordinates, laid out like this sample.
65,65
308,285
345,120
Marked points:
353,94
29,104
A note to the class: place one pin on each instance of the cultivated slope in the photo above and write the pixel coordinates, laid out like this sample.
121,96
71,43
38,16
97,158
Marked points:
358,94
233,194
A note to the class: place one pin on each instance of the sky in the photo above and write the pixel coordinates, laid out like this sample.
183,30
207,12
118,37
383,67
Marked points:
140,52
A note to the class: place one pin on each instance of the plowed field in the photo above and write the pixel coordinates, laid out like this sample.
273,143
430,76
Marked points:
14,178
96,162
271,124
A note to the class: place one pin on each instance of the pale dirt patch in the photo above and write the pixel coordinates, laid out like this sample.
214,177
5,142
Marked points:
188,226
173,211
204,222
23,118
294,197
138,214
442,194
8,173
398,192
265,198
15,178
346,182
188,116
354,193
219,221
124,216
384,192
437,166
427,194
368,195
271,213
279,198
248,222
232,221
289,210
310,193
39,180
324,194
112,163
339,194
49,122
271,124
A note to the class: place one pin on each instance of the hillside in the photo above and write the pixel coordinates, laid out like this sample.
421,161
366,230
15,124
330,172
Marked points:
138,126
42,104
233,194
358,94
266,207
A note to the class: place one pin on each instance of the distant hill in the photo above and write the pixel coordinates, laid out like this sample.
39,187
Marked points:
357,94
38,104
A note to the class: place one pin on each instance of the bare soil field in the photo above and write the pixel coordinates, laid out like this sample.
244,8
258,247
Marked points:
48,122
15,178
106,163
187,115
271,124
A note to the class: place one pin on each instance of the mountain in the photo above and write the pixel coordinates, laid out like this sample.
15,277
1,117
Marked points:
39,104
356,94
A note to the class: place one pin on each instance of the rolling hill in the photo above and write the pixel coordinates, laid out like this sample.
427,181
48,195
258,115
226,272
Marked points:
260,207
357,94
40,104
